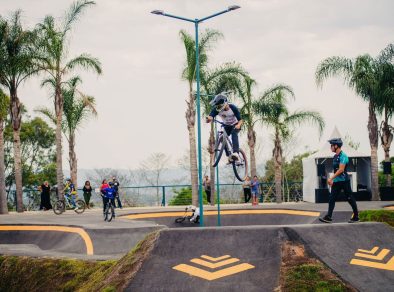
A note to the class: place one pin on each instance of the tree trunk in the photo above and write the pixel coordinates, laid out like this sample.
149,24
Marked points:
373,141
211,150
252,144
278,167
191,119
386,138
59,151
3,195
16,117
73,160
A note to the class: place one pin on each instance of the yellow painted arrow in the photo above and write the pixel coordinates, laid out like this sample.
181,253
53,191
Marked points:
212,275
372,251
387,266
215,259
380,256
216,265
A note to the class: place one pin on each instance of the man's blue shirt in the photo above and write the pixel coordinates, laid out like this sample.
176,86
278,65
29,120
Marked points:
338,159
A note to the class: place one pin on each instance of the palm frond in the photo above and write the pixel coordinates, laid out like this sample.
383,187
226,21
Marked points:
334,66
387,54
48,113
85,61
74,12
300,117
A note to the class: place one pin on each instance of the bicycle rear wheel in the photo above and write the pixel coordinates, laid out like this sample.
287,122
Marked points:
219,147
81,206
58,207
241,167
180,219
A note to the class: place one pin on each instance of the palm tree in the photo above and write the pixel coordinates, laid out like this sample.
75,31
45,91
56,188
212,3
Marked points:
77,109
53,59
273,111
16,65
360,74
4,104
207,39
226,78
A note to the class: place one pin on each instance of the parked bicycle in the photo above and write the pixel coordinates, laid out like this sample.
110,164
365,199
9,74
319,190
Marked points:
223,143
60,206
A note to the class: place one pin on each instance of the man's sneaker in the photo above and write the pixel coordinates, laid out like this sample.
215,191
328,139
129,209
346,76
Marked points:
326,219
354,220
235,156
76,208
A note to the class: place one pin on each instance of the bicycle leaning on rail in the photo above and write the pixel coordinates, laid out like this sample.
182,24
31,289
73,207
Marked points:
60,205
223,143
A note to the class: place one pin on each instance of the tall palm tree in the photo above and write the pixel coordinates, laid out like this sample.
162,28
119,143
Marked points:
359,74
53,59
273,111
385,104
225,78
250,120
16,65
4,105
77,108
207,39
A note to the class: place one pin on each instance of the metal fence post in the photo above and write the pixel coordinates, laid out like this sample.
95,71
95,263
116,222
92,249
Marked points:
163,200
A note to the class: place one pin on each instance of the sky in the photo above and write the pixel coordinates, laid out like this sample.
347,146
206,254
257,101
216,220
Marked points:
141,97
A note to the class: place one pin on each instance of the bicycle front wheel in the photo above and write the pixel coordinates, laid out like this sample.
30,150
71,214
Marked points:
180,219
81,206
58,207
219,147
241,167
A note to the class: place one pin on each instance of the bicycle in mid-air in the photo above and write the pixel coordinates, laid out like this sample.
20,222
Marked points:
223,143
60,205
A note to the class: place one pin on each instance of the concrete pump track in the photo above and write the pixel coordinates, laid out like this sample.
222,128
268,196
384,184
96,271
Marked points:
243,254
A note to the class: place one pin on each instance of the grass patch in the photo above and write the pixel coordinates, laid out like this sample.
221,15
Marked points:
386,216
46,274
300,273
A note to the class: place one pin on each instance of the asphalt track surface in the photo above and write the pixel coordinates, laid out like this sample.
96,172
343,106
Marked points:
250,244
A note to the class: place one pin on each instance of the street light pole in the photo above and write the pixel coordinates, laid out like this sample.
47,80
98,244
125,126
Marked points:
196,22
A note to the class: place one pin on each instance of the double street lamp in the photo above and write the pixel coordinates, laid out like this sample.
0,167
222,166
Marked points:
196,22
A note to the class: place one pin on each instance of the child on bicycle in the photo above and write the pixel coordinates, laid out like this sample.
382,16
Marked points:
70,192
232,120
108,194
195,213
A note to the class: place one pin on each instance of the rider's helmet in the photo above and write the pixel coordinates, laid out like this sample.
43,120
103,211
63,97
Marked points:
219,102
336,141
68,180
111,184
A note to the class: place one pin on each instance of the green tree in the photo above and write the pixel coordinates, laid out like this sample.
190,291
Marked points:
77,109
16,65
4,104
273,110
207,39
360,74
53,60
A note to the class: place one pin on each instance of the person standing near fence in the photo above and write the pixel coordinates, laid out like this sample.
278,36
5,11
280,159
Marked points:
45,196
87,193
116,187
207,187
255,191
246,188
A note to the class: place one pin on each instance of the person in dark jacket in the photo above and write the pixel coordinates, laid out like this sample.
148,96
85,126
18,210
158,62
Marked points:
87,193
45,196
116,187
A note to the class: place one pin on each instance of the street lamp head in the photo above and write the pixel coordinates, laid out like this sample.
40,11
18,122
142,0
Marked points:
158,12
233,7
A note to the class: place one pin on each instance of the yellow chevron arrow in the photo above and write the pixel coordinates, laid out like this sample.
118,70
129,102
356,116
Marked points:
212,275
215,259
214,266
387,266
380,256
372,251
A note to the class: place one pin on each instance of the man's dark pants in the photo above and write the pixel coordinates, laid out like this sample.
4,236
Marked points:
336,190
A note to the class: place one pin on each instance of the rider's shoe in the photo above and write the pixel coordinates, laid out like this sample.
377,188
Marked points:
235,156
76,208
325,219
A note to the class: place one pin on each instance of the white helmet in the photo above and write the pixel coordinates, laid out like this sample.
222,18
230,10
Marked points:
219,102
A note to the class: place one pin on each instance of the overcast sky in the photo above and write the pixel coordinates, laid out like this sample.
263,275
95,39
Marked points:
141,97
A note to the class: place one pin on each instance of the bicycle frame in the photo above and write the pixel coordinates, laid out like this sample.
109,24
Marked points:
226,138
